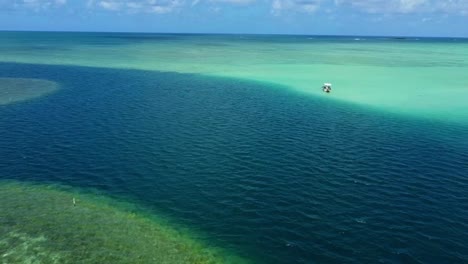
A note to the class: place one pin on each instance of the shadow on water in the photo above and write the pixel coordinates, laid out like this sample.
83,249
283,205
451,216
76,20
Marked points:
279,176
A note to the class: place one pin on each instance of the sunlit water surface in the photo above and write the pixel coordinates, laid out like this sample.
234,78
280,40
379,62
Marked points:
266,172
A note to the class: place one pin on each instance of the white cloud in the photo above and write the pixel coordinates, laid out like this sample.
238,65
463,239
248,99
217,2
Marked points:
383,6
236,2
277,7
110,5
406,6
36,5
137,6
453,6
307,6
230,2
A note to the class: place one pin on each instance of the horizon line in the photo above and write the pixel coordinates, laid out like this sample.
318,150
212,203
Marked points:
233,34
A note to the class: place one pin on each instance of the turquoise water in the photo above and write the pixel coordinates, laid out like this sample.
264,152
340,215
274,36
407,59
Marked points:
56,224
267,171
415,76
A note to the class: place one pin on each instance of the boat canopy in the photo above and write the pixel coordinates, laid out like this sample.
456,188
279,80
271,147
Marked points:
327,84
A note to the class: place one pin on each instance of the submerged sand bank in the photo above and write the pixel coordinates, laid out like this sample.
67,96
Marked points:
41,224
13,90
421,78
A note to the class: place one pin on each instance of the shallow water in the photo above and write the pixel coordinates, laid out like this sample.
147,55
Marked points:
423,77
14,90
42,224
260,170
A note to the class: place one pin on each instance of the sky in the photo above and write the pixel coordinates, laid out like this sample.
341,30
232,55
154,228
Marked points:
437,18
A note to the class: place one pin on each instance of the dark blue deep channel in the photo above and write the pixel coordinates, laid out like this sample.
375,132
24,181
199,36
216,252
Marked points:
278,176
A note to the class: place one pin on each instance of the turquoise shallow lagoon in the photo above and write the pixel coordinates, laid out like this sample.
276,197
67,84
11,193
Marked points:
417,76
223,145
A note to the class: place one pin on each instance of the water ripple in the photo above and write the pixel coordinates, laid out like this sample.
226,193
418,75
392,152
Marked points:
279,177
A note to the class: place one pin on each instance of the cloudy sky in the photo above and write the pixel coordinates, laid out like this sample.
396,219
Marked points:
329,17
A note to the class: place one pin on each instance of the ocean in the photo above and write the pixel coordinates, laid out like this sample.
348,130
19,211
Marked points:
229,142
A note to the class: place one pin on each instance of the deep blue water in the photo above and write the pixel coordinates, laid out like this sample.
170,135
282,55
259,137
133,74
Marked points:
60,40
276,175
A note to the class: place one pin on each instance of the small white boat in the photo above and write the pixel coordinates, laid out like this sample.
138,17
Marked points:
327,87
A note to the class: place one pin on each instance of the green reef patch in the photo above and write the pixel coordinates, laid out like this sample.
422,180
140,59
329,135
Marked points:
50,224
14,90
